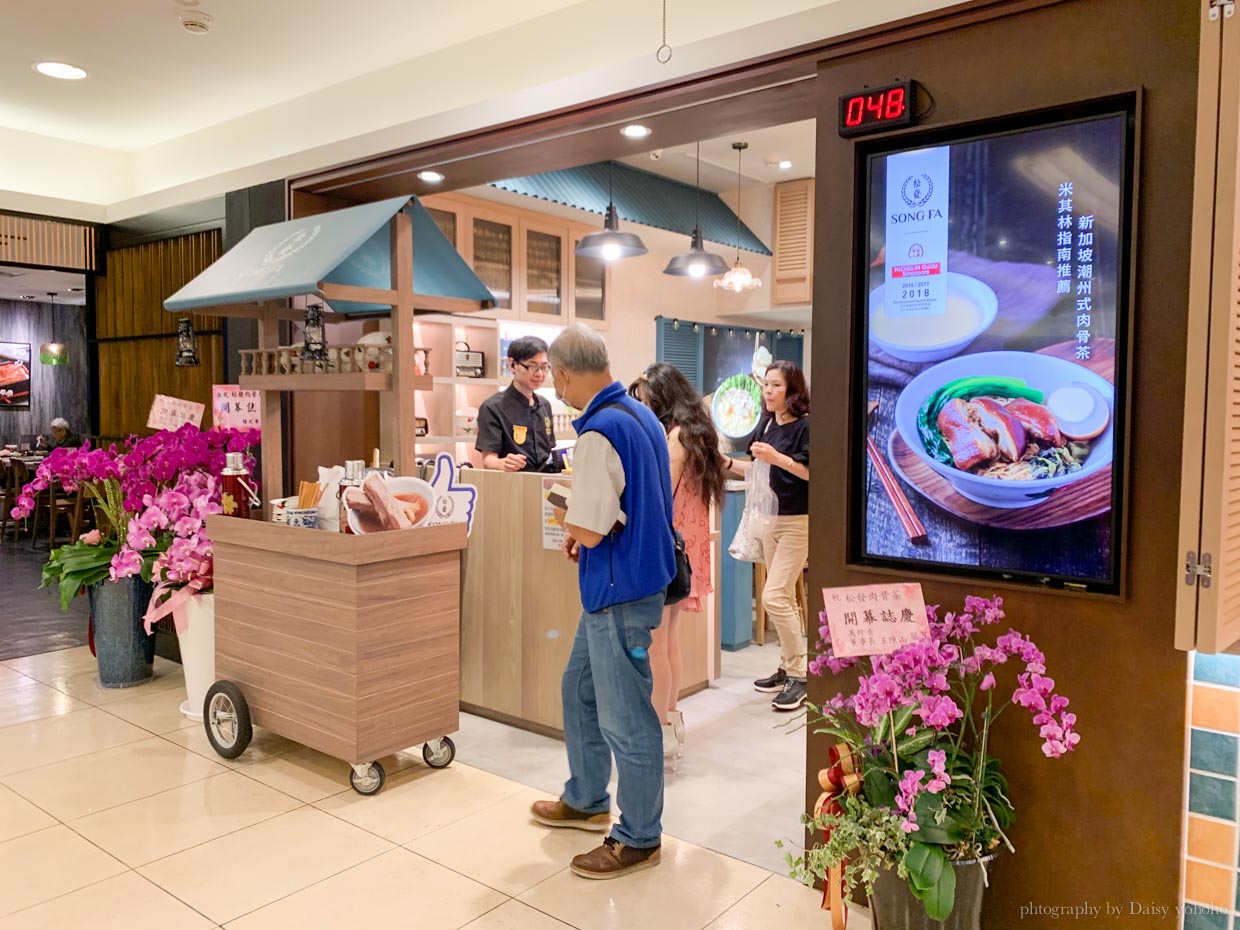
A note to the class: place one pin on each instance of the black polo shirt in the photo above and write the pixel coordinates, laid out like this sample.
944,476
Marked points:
508,423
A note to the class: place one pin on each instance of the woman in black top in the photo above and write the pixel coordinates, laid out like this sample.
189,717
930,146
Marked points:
782,441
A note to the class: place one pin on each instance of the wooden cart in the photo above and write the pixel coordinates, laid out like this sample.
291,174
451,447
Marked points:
347,644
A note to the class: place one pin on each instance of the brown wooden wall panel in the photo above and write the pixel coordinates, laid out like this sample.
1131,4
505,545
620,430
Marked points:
30,240
130,304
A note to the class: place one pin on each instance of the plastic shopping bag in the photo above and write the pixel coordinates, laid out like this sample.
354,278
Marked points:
758,518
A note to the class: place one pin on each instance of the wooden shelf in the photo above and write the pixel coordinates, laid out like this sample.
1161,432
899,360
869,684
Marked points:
330,381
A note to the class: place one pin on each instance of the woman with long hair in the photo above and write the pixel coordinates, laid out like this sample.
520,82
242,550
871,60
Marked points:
782,441
697,482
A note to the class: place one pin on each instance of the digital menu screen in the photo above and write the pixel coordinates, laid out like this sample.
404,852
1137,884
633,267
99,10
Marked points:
994,301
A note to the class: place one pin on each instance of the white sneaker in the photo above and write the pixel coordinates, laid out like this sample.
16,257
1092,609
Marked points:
677,721
670,745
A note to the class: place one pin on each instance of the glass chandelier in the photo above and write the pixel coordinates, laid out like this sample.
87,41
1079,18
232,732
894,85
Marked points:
738,277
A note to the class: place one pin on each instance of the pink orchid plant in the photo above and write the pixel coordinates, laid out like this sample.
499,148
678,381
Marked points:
153,494
913,784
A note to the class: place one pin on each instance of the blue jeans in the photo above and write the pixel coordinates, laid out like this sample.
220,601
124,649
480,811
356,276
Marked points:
607,712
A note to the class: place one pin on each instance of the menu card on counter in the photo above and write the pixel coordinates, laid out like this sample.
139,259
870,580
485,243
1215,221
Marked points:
552,532
875,619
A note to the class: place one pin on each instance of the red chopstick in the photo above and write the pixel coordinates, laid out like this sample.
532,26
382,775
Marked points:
904,510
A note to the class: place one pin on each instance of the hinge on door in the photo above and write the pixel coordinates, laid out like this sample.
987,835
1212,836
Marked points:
1222,7
1198,570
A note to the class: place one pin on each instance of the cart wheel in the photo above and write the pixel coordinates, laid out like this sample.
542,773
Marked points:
439,753
367,779
226,717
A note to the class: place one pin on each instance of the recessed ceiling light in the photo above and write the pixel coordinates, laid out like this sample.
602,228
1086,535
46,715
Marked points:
785,165
430,177
636,131
30,296
58,69
76,290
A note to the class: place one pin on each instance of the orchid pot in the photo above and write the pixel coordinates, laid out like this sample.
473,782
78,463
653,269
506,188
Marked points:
893,905
124,650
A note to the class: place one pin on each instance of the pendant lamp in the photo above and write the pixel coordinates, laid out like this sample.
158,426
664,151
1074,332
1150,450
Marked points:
187,345
610,245
314,347
697,262
738,277
53,353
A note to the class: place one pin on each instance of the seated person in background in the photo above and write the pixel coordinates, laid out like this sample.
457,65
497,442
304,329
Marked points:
62,436
514,426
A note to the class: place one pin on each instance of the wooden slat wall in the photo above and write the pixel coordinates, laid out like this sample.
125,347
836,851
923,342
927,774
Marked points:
34,241
129,303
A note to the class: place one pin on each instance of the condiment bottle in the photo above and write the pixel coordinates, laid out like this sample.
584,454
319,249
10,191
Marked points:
236,492
353,469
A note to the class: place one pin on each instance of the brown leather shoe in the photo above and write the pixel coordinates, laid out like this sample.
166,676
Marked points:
558,814
613,859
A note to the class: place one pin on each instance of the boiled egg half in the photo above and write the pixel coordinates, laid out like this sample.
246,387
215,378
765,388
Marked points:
1080,410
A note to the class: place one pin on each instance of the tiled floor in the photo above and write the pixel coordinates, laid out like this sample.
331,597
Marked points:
31,621
115,814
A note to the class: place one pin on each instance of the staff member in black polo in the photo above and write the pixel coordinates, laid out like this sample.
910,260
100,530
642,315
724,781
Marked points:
514,426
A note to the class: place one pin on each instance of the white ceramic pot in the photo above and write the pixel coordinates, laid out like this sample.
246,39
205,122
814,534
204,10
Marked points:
198,653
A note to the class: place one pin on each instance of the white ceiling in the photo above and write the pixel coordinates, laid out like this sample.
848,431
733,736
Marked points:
22,283
791,141
150,80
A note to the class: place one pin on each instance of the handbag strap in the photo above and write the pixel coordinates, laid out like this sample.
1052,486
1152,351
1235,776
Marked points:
623,407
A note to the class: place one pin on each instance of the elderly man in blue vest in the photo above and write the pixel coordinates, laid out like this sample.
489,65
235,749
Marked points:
618,524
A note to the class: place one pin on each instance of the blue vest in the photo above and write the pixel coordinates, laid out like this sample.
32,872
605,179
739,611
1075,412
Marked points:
640,560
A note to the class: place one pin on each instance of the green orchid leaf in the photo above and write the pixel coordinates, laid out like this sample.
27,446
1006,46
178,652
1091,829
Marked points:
941,899
879,788
952,830
925,864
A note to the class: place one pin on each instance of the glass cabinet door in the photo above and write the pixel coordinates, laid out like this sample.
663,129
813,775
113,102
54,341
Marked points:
544,272
493,258
589,287
446,221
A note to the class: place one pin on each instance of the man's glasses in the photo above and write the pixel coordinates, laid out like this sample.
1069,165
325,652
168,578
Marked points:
544,368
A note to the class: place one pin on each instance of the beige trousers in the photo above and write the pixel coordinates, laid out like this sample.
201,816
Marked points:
784,552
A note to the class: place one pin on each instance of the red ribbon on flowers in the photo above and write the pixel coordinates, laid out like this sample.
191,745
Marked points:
175,604
838,780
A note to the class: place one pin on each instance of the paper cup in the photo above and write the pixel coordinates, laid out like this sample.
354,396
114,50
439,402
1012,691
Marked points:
307,518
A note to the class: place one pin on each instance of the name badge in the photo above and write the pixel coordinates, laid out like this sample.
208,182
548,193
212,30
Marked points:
519,434
547,425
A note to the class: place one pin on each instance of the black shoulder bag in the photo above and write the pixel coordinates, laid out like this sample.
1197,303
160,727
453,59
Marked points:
678,588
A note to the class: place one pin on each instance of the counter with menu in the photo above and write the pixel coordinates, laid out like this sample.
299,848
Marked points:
520,606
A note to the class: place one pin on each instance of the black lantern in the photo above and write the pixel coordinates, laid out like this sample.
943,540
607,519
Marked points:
187,345
315,347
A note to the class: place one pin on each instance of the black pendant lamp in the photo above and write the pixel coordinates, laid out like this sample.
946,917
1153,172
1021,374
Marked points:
314,346
697,262
187,345
610,245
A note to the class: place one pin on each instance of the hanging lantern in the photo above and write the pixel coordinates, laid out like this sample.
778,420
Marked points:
54,353
315,346
738,277
187,345
697,262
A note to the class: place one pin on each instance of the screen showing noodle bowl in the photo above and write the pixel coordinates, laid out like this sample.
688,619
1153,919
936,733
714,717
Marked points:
994,298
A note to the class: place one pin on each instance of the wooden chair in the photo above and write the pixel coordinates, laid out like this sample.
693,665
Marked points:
55,503
17,476
8,497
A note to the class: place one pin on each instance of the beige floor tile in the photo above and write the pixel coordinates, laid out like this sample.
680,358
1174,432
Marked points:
244,871
158,826
159,712
50,666
782,902
78,787
519,852
398,889
10,678
19,817
126,902
45,865
54,739
310,776
265,745
421,799
85,687
29,700
688,889
514,916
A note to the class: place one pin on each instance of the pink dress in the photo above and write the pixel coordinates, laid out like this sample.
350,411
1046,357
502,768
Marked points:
691,517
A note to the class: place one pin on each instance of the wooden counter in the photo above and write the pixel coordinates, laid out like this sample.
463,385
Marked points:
520,606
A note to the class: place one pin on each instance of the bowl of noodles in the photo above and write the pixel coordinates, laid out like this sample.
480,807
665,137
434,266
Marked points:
999,425
737,406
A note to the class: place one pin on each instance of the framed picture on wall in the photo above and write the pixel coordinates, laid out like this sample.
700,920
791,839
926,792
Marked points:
14,374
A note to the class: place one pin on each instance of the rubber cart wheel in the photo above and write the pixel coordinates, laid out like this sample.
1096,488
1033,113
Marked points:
439,753
226,717
370,781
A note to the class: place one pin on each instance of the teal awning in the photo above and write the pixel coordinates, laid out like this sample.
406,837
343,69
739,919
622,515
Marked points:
349,246
640,197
